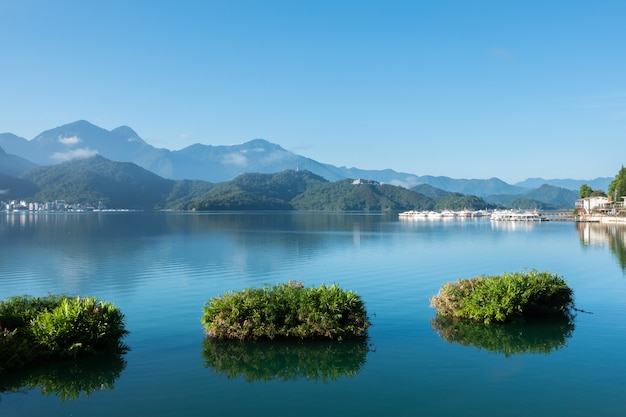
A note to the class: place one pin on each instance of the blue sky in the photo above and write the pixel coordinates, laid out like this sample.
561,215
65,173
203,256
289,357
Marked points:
465,89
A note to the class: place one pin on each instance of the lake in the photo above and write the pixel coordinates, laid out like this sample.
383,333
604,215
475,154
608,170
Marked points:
161,268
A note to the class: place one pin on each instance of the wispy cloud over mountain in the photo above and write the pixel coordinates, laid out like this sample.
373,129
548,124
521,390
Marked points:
73,154
235,159
71,141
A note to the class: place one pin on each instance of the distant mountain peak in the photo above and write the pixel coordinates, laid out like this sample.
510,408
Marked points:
127,133
69,130
260,144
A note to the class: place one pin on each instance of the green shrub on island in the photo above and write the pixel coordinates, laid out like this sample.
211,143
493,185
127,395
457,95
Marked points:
34,329
505,298
286,311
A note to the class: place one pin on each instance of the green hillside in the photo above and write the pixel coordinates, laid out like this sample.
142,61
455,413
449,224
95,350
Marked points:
125,185
114,184
303,190
346,196
257,191
456,201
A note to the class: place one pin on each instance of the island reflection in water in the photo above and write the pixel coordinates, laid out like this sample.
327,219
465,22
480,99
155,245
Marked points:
599,234
266,360
67,379
538,336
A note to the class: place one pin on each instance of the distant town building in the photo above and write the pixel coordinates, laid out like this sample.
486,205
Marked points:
360,181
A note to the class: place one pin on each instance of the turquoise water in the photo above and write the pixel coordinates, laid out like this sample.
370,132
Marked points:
160,269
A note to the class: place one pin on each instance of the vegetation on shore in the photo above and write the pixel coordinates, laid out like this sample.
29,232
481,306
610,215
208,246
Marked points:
505,298
35,329
286,311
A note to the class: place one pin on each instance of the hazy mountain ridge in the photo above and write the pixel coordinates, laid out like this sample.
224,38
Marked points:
97,180
13,165
601,183
223,163
546,197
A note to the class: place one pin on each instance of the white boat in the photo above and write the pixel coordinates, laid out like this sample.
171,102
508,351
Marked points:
439,215
517,216
414,214
448,213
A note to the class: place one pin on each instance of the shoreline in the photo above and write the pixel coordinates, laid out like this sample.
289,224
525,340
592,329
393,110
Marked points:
599,218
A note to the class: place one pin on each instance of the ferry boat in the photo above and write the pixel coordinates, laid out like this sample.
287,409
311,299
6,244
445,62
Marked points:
441,215
517,216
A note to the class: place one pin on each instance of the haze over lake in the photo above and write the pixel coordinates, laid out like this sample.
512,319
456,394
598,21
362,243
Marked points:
160,269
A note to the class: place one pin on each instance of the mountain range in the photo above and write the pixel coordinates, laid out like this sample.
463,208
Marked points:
216,164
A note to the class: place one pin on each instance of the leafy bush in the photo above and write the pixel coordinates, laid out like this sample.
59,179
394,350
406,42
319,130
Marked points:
511,296
286,311
79,324
33,329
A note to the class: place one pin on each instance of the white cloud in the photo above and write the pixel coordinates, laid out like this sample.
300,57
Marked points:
69,141
253,150
235,159
3,191
74,154
275,156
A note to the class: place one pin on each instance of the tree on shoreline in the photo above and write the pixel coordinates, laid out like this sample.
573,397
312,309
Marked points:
617,187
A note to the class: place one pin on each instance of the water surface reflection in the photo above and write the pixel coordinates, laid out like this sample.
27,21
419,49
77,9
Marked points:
67,379
509,339
599,234
266,360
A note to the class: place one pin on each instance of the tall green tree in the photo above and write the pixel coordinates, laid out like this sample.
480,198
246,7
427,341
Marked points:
585,191
617,187
598,193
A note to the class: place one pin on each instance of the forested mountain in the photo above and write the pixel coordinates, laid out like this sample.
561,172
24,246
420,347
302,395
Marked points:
566,183
125,185
546,197
345,195
114,184
457,201
13,188
476,187
303,190
430,191
257,191
13,165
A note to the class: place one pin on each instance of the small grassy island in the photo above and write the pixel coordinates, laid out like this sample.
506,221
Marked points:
40,329
286,311
505,298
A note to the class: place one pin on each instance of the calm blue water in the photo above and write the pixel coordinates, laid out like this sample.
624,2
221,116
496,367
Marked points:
160,269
